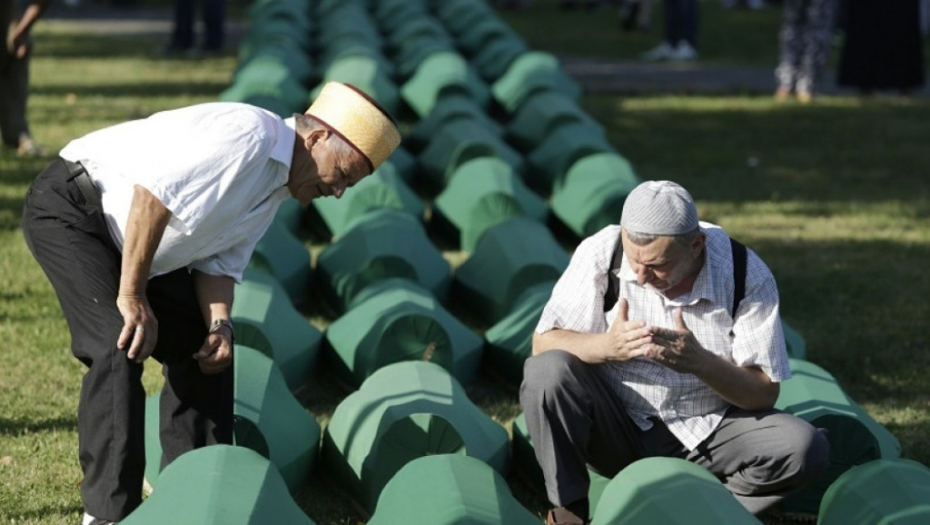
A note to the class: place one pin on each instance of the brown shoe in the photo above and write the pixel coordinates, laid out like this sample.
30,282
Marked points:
563,516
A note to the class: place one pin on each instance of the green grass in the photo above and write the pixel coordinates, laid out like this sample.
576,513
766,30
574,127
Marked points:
838,205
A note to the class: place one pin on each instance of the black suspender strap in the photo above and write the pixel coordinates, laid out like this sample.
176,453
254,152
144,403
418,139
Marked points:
739,274
613,282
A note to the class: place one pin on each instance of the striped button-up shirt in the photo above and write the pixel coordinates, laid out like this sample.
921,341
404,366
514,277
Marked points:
690,408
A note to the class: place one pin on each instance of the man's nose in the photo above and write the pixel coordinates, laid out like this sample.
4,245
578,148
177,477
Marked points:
338,189
643,275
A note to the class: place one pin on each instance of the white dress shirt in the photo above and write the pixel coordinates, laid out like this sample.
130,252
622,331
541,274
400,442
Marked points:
689,408
220,168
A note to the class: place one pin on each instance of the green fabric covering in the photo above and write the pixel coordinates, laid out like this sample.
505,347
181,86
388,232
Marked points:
268,85
381,189
366,74
438,74
265,319
396,320
454,106
510,258
813,395
510,340
496,57
524,458
564,146
152,439
597,166
220,485
402,163
540,114
593,198
347,46
668,491
405,411
449,490
378,245
409,58
459,17
276,18
290,215
391,14
281,51
483,192
415,29
283,256
459,141
350,20
881,492
797,347
531,72
270,420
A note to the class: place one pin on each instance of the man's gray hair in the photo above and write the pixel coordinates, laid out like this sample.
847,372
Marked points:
306,124
642,239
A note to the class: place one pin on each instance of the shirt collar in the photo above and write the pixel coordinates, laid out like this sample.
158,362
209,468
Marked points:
283,150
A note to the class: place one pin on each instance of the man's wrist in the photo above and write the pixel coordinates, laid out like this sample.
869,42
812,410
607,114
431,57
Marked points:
221,324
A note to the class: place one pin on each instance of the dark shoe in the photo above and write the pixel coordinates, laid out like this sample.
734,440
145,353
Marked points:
563,516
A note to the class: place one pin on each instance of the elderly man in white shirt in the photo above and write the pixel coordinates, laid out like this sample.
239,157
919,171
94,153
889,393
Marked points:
144,228
670,369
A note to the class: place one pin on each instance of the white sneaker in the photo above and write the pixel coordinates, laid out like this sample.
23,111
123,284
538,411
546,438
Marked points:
662,52
683,52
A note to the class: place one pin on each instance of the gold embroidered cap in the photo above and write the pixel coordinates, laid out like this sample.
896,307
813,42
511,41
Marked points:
358,119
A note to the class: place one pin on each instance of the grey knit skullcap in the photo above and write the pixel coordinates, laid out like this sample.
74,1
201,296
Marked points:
659,207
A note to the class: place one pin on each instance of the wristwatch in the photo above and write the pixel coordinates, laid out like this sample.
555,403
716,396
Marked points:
219,323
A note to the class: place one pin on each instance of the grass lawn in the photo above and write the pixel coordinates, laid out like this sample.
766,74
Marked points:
837,201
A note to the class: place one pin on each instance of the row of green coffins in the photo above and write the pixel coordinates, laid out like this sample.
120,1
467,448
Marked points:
383,440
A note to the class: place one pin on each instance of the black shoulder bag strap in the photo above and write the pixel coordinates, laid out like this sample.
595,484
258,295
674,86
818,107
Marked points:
739,276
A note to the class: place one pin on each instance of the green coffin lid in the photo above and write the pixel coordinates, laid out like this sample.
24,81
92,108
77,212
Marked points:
441,73
473,38
524,458
266,76
381,189
552,159
270,420
452,107
283,256
378,245
282,51
459,141
402,412
881,492
510,340
509,258
531,72
494,58
390,14
669,491
813,395
396,320
265,319
593,198
540,114
483,192
449,490
290,214
267,419
797,347
220,485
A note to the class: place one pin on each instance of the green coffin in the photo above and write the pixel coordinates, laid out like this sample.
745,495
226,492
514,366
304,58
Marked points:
395,320
378,245
366,74
265,319
449,490
531,72
540,114
220,485
266,77
593,198
797,347
881,492
270,420
391,14
497,56
565,145
481,193
524,458
285,52
510,341
510,258
283,256
382,189
473,38
855,438
459,141
669,491
439,74
402,412
453,107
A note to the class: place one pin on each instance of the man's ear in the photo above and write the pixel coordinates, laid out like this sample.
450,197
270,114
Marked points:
315,136
697,246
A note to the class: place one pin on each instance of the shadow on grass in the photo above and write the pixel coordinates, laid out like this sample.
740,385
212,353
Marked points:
17,427
146,89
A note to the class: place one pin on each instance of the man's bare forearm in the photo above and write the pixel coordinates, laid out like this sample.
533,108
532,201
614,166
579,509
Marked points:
148,218
587,347
215,295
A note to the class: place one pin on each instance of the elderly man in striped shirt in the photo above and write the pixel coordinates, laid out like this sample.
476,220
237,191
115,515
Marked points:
652,345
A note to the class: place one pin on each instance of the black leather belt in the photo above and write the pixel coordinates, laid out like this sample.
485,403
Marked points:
82,179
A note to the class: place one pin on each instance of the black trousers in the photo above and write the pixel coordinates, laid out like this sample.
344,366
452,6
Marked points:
69,238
